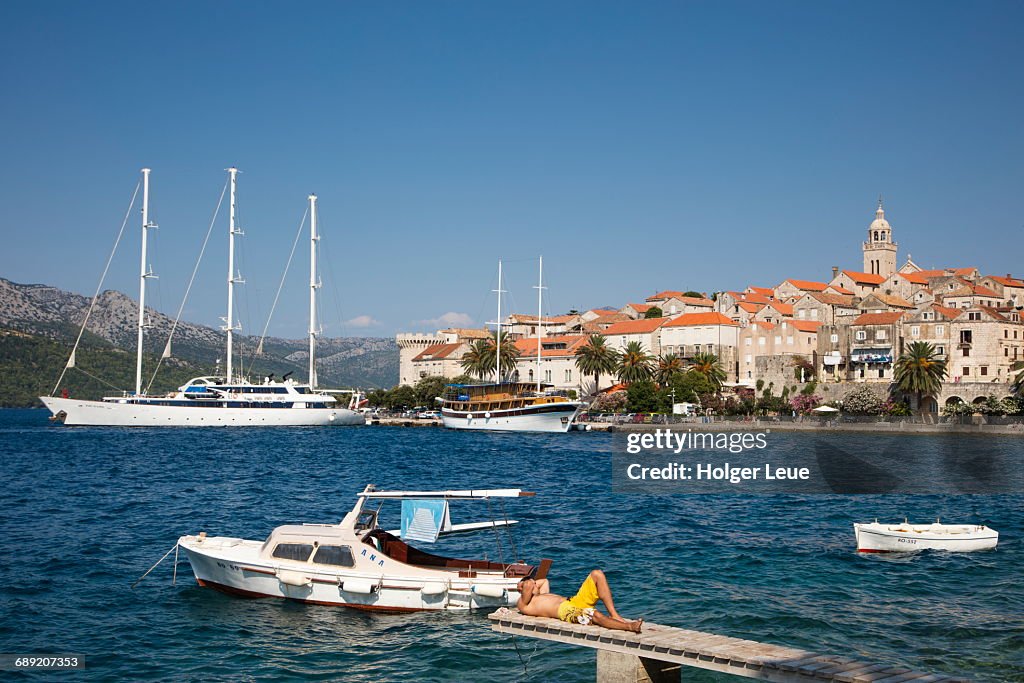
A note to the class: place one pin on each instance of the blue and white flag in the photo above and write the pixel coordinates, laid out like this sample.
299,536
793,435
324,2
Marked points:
423,520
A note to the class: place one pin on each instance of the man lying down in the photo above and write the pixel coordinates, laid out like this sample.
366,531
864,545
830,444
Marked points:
536,600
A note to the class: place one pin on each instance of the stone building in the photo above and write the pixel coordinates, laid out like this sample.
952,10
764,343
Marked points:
876,342
644,331
558,361
693,333
985,345
880,249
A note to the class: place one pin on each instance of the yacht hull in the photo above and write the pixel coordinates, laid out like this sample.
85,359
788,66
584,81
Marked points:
545,418
79,412
389,594
881,538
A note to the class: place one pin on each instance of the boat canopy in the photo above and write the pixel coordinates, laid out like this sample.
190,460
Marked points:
478,494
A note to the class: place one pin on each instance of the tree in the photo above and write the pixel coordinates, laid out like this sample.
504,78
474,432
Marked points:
402,397
920,371
862,401
668,367
475,361
653,312
707,364
805,403
695,295
596,358
429,388
691,386
635,364
643,396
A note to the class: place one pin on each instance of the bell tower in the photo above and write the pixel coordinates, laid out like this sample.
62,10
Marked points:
880,249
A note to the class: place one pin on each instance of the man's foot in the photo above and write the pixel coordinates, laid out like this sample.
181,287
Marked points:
635,626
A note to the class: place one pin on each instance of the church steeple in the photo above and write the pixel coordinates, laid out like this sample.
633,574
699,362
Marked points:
880,249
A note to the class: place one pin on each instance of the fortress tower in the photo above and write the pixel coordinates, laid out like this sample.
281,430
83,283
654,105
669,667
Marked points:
880,250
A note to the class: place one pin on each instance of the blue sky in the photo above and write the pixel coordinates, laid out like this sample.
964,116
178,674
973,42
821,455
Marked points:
638,146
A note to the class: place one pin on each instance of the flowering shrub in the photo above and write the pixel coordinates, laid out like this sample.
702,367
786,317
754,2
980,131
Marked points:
862,401
609,403
803,403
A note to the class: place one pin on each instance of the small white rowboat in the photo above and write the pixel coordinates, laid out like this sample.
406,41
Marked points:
902,538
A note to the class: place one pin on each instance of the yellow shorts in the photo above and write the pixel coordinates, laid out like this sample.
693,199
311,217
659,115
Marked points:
579,609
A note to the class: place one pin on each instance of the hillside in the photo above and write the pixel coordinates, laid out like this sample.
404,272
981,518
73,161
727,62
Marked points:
38,325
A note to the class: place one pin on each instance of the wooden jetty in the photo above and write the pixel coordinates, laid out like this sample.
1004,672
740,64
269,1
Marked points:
659,653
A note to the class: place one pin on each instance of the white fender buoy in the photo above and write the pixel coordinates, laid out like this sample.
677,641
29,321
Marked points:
433,588
469,416
488,590
291,578
331,417
361,586
487,415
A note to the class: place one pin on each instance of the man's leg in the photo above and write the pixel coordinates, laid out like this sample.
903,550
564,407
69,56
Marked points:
604,591
617,624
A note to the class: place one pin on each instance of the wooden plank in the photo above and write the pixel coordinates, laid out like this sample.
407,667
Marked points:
749,658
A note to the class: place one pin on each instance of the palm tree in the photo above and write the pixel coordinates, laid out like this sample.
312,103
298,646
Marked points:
670,365
596,358
707,364
479,360
635,364
920,371
509,353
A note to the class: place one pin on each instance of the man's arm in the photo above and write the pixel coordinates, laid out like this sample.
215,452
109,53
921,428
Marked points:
525,596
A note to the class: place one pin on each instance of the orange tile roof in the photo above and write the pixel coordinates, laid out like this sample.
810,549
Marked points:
1007,281
611,319
864,278
916,278
808,285
886,318
641,308
667,294
528,346
764,291
784,309
839,290
713,318
993,313
602,312
761,323
892,300
749,307
642,326
696,301
469,333
833,299
568,317
437,352
947,311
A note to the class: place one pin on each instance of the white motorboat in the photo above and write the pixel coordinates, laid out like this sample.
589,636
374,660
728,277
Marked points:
231,400
359,564
905,537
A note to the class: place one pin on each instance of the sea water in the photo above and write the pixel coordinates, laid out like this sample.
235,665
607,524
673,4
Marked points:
85,511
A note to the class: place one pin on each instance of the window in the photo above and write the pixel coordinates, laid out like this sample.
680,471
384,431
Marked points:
814,314
761,341
880,334
940,350
967,351
834,338
338,555
789,340
568,375
967,370
861,335
915,331
747,341
940,330
801,314
299,552
547,375
531,374
928,315
974,315
1006,334
984,370
778,340
749,359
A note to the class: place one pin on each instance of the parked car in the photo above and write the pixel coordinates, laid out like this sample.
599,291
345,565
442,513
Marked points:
429,415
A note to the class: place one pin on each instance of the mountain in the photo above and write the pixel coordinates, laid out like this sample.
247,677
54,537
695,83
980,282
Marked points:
42,322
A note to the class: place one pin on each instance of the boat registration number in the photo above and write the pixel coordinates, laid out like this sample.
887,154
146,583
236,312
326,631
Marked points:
911,541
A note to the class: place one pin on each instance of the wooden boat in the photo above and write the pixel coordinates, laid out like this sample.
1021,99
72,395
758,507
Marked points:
357,563
905,537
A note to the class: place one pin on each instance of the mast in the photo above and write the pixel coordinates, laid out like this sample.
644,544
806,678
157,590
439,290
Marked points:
144,274
540,307
314,284
497,346
232,280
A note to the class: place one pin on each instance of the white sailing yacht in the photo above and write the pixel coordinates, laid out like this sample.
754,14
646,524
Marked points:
231,400
509,406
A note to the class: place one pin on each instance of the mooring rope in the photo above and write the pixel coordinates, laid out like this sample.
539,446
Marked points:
155,565
99,286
